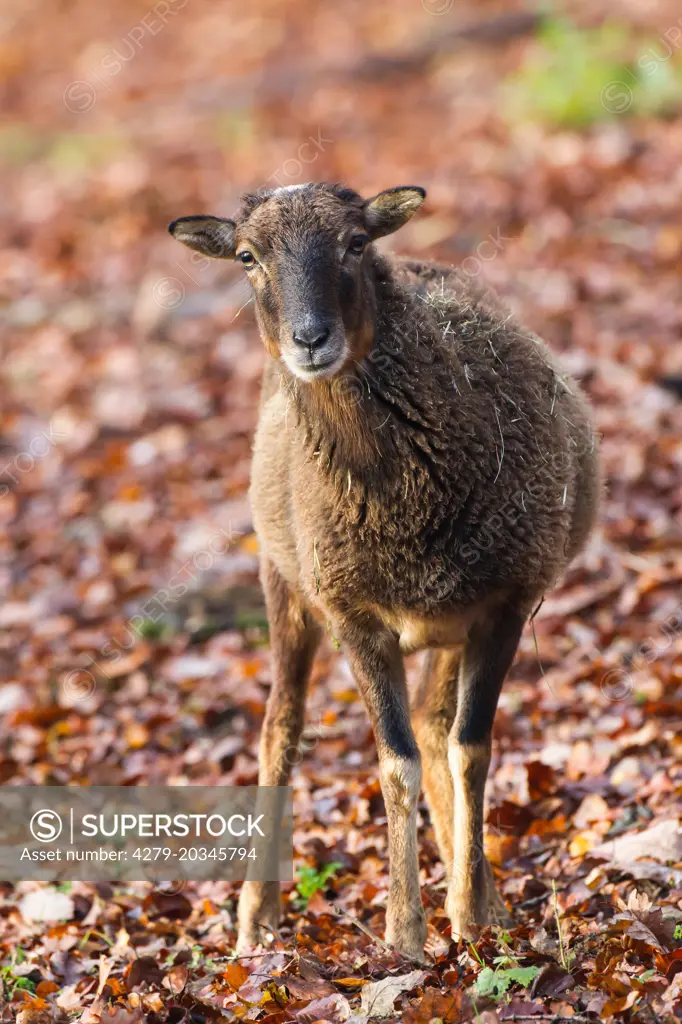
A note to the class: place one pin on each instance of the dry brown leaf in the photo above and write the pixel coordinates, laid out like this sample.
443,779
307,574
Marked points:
334,1008
378,997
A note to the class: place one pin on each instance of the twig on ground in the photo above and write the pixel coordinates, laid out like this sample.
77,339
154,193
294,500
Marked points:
363,928
375,938
562,948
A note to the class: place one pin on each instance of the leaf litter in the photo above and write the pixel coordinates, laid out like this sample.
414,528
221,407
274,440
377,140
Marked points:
129,384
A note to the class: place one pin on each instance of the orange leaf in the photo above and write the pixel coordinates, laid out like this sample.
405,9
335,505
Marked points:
618,1005
498,848
582,843
137,735
235,975
45,988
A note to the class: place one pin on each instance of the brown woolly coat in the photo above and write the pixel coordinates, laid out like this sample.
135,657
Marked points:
457,468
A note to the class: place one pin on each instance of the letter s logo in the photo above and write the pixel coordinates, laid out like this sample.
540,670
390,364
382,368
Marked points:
46,826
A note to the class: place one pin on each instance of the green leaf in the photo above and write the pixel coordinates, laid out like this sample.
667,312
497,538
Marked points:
523,976
311,880
149,629
24,983
494,983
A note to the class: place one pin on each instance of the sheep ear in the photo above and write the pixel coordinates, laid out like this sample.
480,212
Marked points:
391,209
211,236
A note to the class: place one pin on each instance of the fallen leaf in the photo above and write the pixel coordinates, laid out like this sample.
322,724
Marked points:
593,808
68,999
379,996
92,1014
235,975
104,970
144,970
435,1005
334,1008
642,854
173,905
33,1015
46,905
176,979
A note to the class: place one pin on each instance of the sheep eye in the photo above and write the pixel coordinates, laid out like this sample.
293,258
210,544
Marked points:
247,258
358,243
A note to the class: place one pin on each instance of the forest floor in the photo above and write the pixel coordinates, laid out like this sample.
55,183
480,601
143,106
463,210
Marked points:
129,386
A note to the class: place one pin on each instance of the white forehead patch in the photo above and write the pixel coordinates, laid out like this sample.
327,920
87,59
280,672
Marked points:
290,188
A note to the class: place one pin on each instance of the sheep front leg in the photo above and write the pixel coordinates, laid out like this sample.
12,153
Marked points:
472,899
378,668
294,637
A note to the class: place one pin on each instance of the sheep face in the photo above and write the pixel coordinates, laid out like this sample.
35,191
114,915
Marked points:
307,252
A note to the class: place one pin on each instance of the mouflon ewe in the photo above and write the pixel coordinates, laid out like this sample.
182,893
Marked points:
423,471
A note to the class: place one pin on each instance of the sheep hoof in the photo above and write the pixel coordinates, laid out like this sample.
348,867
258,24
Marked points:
258,913
466,919
408,937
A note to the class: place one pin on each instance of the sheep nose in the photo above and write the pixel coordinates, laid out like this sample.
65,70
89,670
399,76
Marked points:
311,338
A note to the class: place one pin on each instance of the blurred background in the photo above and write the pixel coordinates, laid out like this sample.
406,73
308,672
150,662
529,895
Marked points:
132,640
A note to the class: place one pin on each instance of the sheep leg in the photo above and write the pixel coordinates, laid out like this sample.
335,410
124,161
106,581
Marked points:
294,637
433,711
378,668
488,654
